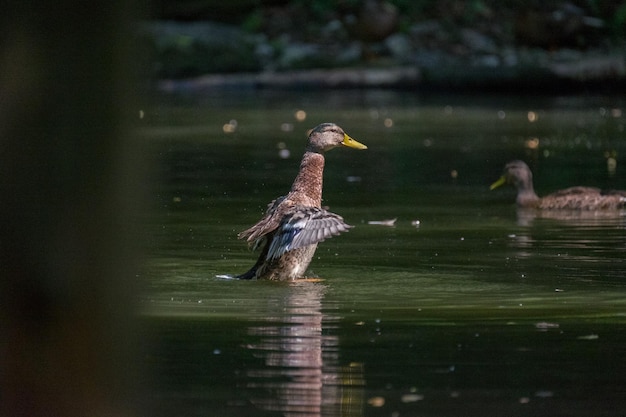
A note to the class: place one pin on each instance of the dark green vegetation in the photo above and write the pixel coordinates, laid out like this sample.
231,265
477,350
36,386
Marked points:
452,43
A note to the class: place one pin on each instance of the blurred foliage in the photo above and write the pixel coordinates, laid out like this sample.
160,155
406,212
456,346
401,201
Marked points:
183,50
260,34
306,15
613,14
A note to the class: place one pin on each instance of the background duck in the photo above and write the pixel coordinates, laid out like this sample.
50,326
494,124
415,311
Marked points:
294,224
518,174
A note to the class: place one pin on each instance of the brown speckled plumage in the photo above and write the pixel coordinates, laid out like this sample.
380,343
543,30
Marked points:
519,175
294,224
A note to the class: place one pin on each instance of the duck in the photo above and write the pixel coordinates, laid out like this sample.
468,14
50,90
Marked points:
518,174
295,223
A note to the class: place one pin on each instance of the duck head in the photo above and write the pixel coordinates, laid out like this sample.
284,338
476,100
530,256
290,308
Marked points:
327,136
515,173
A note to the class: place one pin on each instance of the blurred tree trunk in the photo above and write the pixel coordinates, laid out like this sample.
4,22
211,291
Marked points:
68,177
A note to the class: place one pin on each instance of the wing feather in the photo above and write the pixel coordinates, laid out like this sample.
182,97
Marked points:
303,226
256,234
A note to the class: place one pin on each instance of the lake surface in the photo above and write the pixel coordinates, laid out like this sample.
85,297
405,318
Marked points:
464,306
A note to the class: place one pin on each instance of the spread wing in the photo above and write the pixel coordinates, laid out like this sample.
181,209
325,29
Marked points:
272,219
304,226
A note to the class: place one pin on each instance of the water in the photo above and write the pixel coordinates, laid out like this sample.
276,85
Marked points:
464,307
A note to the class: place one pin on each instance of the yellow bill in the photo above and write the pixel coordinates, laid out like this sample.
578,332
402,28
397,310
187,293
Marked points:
351,143
498,183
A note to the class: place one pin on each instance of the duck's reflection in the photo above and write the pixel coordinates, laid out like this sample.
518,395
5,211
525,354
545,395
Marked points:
548,232
300,374
526,216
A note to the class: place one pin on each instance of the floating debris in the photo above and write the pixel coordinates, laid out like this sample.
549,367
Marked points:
588,337
390,222
284,154
415,223
544,325
225,276
230,127
300,115
376,401
411,398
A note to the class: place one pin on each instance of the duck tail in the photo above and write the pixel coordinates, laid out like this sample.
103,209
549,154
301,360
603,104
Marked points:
251,274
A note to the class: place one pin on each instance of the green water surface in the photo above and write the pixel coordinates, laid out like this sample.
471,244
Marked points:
464,306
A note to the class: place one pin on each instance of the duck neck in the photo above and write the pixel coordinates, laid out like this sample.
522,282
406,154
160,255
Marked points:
309,179
526,196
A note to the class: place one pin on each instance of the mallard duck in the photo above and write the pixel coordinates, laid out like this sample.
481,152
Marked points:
518,174
294,224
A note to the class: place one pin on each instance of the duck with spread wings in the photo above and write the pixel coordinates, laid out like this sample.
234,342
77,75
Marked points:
294,224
